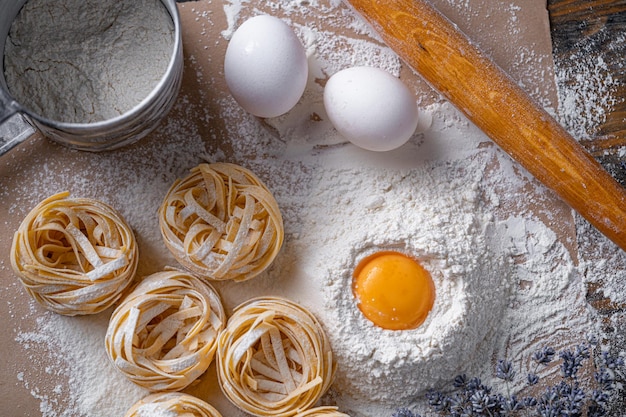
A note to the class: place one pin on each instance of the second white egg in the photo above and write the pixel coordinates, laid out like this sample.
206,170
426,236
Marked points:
265,66
371,108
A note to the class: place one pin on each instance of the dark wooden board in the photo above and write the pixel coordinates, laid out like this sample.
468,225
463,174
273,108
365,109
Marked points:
598,27
595,26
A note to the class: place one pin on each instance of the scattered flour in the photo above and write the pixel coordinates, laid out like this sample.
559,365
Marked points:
589,92
125,47
76,349
507,279
587,88
451,236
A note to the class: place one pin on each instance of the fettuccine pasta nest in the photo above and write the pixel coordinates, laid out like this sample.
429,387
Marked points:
163,335
74,255
327,411
222,222
273,358
172,404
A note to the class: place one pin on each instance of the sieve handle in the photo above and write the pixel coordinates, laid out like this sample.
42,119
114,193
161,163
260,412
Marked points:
14,129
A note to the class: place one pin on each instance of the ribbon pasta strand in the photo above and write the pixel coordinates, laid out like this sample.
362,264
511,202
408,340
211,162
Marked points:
222,222
327,411
172,404
163,335
273,358
74,255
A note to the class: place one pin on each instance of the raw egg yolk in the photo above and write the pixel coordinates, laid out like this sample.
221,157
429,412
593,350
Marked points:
393,290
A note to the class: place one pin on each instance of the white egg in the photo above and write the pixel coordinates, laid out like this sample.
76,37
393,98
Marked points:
265,66
371,108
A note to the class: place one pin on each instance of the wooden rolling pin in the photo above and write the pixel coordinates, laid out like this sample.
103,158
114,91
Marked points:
434,47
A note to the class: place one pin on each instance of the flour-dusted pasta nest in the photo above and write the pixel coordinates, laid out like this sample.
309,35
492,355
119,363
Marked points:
273,358
172,404
164,333
222,222
74,255
322,412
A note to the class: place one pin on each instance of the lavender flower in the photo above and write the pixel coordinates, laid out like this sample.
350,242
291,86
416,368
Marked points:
511,404
505,371
572,399
572,361
482,402
437,400
404,412
529,402
548,402
475,384
544,356
599,397
460,381
471,398
611,362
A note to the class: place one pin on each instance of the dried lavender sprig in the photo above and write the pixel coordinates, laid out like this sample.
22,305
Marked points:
404,412
460,381
437,400
611,362
541,357
573,360
505,371
544,356
471,398
482,402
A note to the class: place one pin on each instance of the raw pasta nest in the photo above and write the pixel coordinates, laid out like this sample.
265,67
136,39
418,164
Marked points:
74,255
172,404
222,222
273,358
322,412
164,333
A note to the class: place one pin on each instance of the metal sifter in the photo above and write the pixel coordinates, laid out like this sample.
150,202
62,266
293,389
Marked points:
17,123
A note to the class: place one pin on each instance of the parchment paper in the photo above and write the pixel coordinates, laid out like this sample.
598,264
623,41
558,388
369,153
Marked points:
523,51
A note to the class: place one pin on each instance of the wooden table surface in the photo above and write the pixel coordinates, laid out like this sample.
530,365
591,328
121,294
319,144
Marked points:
598,28
595,26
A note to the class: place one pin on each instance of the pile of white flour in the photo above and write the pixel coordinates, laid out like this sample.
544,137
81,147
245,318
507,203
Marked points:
506,278
84,61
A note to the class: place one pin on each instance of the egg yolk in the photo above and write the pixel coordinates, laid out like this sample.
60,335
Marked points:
393,290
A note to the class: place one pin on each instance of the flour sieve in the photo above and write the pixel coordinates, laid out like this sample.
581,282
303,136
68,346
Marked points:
108,134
